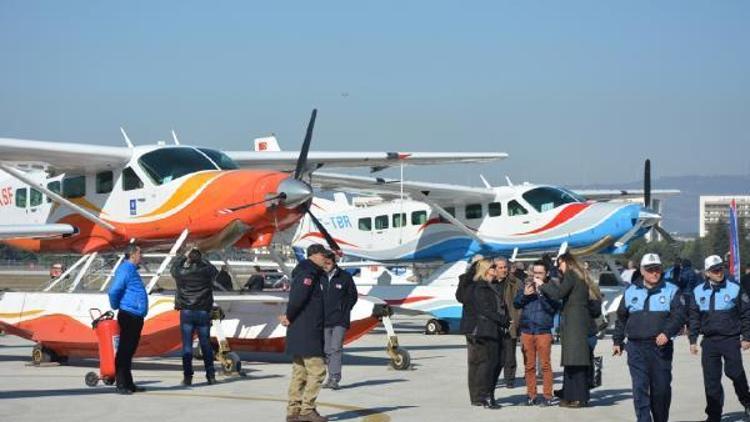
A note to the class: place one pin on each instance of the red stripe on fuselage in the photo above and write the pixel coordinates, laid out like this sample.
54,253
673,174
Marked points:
406,300
320,235
566,214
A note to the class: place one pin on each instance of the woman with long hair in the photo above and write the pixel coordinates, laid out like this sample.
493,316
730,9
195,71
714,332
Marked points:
465,296
492,323
575,290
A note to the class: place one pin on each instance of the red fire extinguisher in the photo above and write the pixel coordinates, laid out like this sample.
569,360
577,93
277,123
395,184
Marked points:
108,337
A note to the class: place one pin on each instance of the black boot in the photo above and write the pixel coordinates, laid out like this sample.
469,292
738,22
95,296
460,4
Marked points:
187,380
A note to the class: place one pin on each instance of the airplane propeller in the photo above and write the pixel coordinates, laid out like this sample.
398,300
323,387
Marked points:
294,192
647,201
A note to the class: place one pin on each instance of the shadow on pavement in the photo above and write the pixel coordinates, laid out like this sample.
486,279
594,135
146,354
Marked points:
360,413
370,383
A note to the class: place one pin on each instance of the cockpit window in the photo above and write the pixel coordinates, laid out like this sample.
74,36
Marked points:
167,164
547,198
222,160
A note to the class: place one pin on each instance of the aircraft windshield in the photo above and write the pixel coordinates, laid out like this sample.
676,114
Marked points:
547,198
222,160
166,164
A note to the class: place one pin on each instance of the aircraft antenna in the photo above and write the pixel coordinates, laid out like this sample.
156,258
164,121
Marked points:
125,135
507,179
486,183
174,136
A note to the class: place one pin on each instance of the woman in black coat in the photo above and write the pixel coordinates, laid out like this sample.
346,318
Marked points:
492,321
575,290
465,296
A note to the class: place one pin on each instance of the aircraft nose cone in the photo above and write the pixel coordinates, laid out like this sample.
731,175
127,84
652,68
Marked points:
648,217
296,192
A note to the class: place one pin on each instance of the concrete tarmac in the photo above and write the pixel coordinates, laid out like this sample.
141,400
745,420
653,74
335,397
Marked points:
433,390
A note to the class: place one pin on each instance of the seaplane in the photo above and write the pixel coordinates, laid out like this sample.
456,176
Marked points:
415,223
89,200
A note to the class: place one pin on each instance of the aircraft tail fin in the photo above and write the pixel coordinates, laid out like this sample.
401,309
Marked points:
269,143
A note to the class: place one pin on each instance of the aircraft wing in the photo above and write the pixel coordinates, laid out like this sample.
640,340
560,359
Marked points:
63,156
391,188
287,160
35,231
610,194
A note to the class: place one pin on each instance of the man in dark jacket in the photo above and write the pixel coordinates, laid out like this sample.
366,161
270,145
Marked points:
720,310
507,285
651,313
304,336
128,294
536,322
340,296
194,299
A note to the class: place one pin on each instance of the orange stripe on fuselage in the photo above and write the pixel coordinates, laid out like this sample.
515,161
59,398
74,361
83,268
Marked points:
186,190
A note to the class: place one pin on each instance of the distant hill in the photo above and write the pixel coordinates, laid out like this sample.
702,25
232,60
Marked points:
681,211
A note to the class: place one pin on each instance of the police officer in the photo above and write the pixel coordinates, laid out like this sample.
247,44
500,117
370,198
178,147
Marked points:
651,313
304,336
339,299
721,312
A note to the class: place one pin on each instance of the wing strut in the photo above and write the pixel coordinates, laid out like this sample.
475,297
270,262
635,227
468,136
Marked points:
57,198
445,214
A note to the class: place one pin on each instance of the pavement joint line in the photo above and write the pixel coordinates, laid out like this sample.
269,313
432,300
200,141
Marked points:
368,415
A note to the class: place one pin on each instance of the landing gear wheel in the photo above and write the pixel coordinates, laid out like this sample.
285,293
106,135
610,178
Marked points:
433,327
402,360
231,363
92,378
108,381
41,355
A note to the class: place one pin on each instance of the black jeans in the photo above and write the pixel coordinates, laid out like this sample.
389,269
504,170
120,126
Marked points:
130,335
475,355
487,352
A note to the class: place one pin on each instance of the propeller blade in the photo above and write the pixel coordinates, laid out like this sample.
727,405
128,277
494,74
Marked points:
302,160
647,184
665,234
329,239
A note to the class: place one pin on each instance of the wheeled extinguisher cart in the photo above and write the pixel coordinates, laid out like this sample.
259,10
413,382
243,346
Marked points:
108,337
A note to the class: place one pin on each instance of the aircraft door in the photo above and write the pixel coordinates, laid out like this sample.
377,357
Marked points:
364,227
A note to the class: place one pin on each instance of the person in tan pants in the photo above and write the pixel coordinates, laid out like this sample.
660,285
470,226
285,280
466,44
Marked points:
536,321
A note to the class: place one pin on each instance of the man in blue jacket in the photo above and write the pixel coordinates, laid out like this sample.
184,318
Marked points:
537,319
340,296
304,336
651,313
129,296
720,310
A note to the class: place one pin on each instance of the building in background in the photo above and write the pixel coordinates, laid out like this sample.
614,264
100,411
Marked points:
715,209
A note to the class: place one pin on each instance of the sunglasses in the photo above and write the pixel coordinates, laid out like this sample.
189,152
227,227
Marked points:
653,270
716,270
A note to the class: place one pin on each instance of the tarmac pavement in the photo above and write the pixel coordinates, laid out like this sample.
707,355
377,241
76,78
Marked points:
433,390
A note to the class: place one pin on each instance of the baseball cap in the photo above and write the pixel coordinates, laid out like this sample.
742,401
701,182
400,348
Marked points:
650,260
314,249
713,262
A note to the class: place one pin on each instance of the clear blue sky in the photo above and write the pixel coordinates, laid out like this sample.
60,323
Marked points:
576,92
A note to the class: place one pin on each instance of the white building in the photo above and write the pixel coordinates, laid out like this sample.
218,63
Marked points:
714,209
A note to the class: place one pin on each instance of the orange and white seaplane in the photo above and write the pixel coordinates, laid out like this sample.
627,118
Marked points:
87,199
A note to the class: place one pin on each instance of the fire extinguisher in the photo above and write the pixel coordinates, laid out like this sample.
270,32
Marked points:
108,338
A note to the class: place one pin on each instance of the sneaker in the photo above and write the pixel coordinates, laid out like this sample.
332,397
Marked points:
313,416
334,385
546,403
187,381
530,401
326,384
292,418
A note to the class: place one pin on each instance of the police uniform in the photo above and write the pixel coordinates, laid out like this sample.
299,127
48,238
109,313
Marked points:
643,314
304,338
721,312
